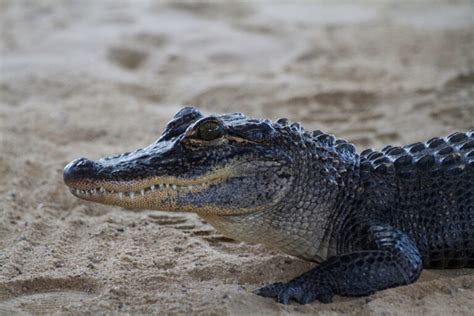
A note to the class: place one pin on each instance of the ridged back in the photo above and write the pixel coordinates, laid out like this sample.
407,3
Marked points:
430,195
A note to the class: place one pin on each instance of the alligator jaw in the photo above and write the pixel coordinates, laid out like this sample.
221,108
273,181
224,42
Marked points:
151,194
160,193
163,193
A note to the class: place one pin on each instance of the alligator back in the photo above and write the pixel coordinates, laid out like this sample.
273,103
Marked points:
427,191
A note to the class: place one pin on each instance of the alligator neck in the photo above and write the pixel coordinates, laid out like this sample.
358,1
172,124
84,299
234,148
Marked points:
301,224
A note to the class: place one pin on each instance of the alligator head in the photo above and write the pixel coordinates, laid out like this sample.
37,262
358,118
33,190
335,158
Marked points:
253,180
214,165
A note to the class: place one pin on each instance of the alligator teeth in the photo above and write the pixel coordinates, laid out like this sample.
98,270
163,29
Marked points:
141,192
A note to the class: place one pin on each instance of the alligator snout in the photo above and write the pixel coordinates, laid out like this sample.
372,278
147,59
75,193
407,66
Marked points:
79,169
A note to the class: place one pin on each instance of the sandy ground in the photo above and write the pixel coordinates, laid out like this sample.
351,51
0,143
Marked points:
90,78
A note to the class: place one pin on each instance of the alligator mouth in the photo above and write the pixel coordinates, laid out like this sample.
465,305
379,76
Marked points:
162,195
223,190
156,192
132,191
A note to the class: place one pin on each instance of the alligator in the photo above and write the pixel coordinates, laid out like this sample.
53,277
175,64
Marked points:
370,221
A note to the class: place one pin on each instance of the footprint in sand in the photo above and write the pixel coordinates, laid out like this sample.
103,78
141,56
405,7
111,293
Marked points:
127,57
166,220
184,224
43,295
134,50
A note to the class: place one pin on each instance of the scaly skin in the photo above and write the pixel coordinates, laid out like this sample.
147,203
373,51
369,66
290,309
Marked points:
372,220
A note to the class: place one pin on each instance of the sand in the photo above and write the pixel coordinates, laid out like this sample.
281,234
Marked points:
94,78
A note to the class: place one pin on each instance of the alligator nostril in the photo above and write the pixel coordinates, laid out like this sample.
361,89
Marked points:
83,163
80,163
78,169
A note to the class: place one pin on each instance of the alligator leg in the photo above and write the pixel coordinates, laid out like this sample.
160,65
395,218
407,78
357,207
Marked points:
382,257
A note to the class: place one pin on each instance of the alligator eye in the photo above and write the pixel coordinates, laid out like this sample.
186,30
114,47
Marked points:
209,131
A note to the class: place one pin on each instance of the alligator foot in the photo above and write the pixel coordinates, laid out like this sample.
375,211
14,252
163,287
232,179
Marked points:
300,290
390,259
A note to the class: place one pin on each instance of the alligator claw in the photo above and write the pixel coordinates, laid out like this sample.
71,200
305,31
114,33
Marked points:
303,293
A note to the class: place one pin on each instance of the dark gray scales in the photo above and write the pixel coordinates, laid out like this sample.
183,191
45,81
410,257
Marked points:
413,206
435,200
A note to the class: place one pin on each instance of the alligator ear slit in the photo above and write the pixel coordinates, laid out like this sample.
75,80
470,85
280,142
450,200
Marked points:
239,139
